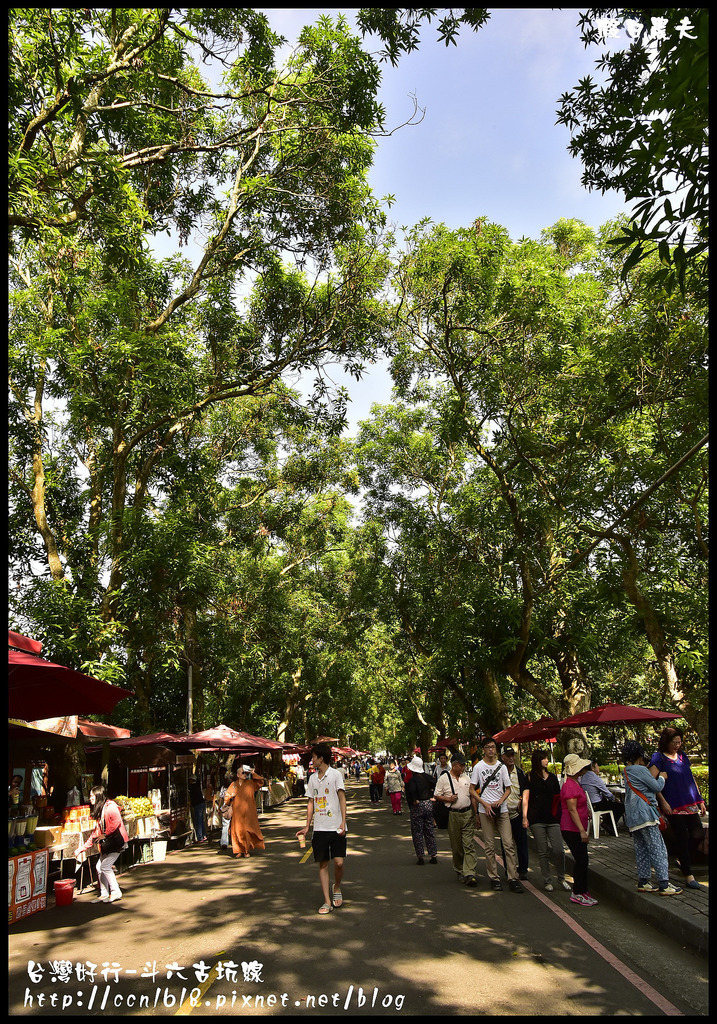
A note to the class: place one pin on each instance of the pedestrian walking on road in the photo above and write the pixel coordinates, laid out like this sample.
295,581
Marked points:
246,835
419,797
517,804
544,819
226,822
574,825
490,788
454,788
196,799
377,774
642,818
394,787
326,808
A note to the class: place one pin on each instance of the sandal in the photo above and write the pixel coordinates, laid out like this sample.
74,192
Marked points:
336,898
325,908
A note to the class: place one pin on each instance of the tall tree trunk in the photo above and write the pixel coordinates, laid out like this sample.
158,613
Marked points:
696,716
290,704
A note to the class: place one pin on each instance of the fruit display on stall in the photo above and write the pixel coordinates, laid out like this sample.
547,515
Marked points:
135,806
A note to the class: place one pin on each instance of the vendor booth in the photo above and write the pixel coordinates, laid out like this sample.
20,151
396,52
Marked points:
44,819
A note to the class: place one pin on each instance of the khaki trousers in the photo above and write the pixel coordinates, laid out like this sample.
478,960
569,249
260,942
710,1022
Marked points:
501,825
461,832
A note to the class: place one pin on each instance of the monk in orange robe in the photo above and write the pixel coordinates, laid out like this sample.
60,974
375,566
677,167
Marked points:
244,828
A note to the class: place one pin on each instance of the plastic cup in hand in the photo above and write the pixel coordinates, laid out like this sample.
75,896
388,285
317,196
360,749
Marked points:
302,841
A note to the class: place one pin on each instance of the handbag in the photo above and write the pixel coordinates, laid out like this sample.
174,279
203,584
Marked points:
226,809
112,842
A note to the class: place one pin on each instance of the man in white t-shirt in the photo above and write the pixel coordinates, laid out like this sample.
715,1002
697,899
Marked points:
327,809
490,787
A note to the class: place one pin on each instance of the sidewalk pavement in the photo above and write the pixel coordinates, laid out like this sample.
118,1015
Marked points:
612,875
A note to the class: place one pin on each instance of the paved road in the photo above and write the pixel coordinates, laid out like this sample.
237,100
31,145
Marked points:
408,940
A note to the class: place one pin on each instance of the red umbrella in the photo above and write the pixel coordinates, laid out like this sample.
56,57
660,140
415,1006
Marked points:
512,732
543,729
41,689
610,713
224,738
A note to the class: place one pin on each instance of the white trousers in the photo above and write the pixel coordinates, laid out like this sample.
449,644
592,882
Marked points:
109,886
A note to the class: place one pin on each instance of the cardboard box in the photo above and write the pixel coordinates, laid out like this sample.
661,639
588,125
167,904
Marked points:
47,835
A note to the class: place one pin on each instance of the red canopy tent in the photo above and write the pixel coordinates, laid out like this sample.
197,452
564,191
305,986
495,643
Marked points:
39,688
221,737
164,739
100,731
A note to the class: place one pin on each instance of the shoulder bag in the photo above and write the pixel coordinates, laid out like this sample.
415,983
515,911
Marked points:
226,809
111,842
440,810
662,823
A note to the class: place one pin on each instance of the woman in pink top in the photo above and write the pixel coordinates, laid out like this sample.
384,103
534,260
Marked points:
574,825
108,818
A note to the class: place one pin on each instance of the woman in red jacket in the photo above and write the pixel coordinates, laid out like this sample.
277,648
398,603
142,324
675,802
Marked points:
109,822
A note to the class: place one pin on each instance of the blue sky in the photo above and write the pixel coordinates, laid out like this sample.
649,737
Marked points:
488,145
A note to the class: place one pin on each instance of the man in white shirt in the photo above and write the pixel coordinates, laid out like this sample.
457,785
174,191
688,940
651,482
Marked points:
327,809
454,788
490,788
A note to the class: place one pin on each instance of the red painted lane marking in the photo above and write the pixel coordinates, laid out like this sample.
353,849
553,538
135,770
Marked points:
639,983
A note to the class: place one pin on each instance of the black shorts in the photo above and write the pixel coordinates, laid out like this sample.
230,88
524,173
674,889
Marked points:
327,845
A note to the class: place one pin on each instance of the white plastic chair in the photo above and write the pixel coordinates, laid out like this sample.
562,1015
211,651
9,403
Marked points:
595,815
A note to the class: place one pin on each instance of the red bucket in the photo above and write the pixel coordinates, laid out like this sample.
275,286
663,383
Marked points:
64,892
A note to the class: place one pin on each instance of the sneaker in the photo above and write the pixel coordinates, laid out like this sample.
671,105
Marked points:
471,880
584,901
670,890
646,887
592,902
496,885
548,887
101,899
114,897
694,884
420,861
515,886
566,885
433,860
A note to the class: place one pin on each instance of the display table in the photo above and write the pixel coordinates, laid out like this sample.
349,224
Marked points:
139,830
27,884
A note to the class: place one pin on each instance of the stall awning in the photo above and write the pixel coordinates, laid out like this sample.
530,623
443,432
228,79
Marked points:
37,686
23,643
100,731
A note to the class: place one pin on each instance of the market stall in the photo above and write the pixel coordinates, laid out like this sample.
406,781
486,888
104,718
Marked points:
44,818
221,738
